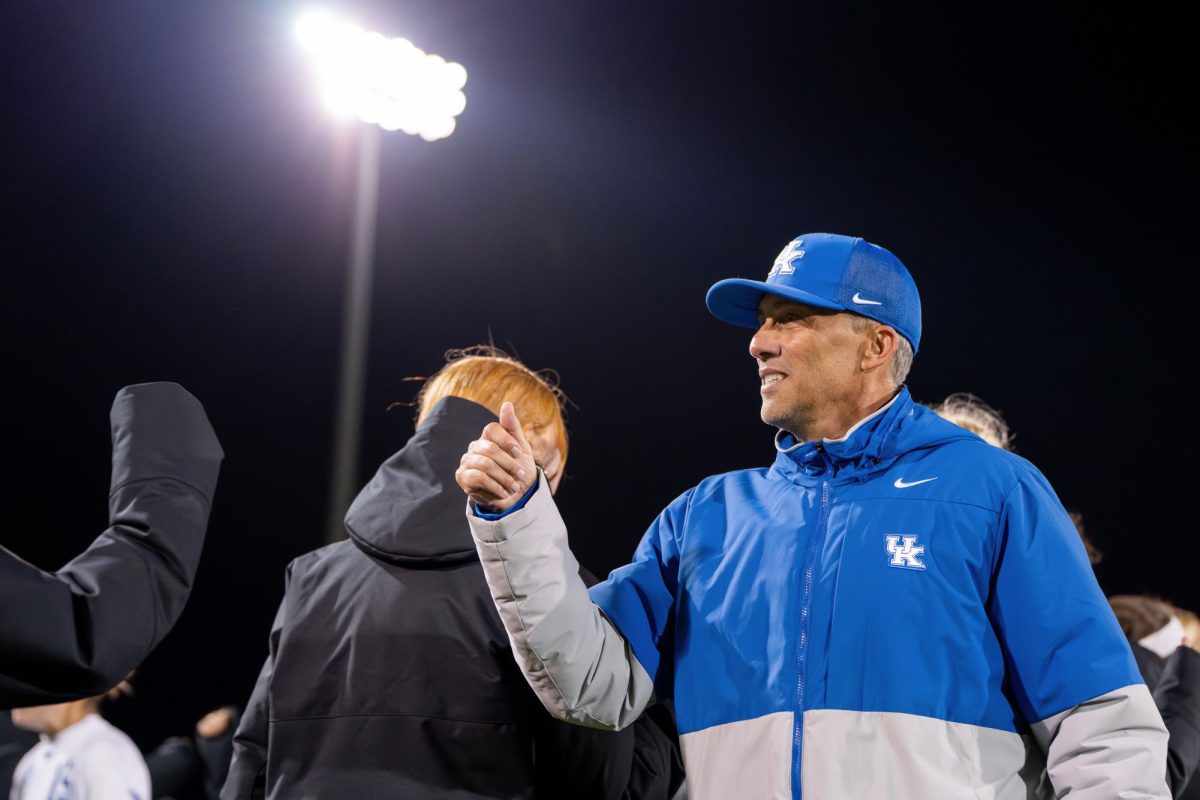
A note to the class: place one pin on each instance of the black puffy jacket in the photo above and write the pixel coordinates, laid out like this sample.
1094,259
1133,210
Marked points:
390,673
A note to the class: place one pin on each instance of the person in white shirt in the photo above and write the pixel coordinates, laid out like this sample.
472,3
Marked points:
80,756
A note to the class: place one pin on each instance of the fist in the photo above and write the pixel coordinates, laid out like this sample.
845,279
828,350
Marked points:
498,467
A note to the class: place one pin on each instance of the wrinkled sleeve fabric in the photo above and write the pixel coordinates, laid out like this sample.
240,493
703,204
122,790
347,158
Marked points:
247,777
585,666
80,631
1071,669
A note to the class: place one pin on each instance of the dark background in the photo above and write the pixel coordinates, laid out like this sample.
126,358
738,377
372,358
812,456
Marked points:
176,206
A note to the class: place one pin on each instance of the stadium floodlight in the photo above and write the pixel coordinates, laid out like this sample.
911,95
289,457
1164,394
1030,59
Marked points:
386,82
394,86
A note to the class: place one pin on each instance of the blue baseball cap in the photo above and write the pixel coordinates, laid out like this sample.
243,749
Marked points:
825,270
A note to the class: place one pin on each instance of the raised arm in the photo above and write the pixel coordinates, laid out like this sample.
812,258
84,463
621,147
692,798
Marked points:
79,631
582,668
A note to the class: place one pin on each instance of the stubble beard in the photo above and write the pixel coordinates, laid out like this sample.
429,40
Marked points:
790,420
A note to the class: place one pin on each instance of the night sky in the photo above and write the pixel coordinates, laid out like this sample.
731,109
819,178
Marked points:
176,206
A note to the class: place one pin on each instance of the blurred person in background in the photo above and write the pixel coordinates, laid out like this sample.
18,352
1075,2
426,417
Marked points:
1191,626
389,673
80,756
14,743
1171,667
187,767
970,412
78,631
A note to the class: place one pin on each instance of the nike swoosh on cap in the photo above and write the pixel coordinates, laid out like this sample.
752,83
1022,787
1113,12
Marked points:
863,302
900,484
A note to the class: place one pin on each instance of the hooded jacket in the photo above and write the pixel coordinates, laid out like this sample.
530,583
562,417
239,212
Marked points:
906,612
390,674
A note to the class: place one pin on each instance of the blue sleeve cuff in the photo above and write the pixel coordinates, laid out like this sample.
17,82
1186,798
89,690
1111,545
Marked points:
492,515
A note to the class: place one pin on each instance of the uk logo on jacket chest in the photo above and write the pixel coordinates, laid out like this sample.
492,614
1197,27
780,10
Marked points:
904,552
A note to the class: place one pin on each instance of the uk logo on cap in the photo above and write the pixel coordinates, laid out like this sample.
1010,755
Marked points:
785,264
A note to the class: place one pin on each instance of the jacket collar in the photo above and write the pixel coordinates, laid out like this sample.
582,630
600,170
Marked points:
411,512
866,448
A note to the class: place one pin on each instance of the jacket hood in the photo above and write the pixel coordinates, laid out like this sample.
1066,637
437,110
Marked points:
412,511
871,446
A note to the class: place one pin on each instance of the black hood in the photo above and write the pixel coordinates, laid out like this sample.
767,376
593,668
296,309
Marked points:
413,512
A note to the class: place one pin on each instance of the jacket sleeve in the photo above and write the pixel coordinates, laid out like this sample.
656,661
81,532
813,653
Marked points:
80,631
582,667
247,776
1071,670
1177,695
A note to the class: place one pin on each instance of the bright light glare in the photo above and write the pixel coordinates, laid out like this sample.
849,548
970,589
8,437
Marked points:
386,82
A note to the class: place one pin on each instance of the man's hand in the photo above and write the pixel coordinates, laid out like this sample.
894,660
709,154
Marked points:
498,468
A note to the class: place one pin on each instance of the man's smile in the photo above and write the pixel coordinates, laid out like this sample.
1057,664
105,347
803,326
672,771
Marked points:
769,378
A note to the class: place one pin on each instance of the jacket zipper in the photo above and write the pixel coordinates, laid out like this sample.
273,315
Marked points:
802,648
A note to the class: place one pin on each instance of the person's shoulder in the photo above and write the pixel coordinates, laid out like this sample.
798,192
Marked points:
108,750
41,751
321,557
968,451
1007,468
716,487
968,470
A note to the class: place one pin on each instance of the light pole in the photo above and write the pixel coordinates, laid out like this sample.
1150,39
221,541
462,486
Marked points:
391,85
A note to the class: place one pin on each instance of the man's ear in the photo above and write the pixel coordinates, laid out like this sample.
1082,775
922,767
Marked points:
881,345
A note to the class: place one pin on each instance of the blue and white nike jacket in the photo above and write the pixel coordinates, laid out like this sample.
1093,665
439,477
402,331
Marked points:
906,612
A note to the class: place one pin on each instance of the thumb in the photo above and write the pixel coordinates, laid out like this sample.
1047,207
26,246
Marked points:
510,423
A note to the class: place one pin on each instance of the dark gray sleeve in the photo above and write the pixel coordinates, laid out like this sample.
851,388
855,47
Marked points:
248,770
80,631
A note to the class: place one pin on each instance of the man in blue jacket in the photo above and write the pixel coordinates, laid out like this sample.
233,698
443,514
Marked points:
894,609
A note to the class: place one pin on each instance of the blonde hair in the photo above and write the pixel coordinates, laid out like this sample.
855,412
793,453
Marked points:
489,376
1191,625
967,411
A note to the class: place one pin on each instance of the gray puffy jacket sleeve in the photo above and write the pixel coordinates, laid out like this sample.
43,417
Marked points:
80,630
580,666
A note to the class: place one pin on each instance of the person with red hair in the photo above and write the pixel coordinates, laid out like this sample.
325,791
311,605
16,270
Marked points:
390,673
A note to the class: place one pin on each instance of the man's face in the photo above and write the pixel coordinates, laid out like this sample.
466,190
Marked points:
809,362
